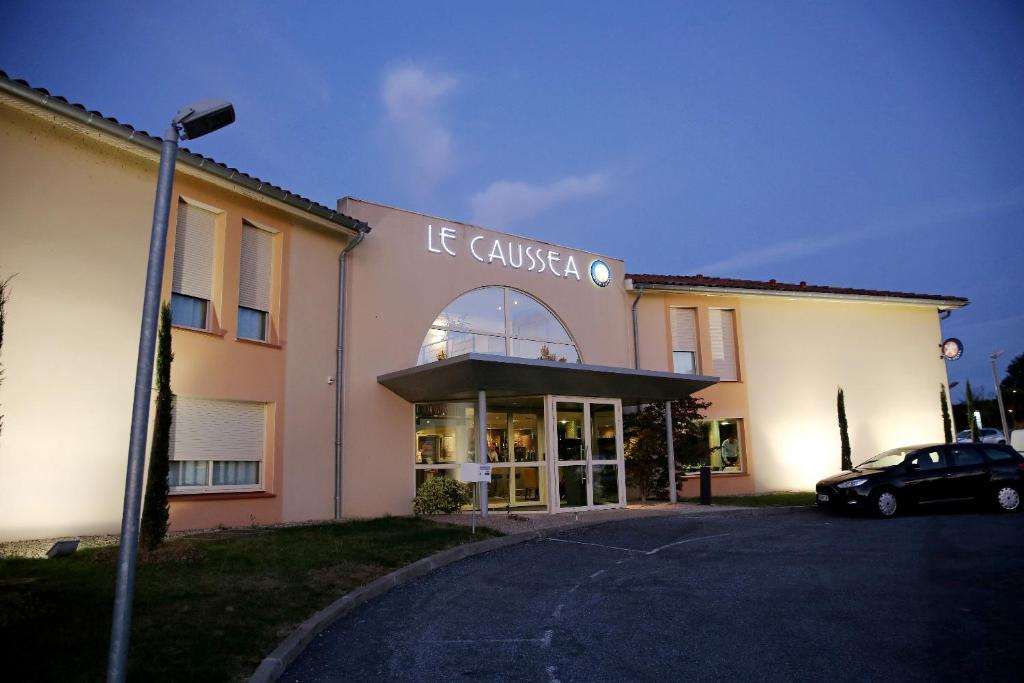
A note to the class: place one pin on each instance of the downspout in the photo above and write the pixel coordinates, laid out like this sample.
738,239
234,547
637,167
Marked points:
636,339
339,401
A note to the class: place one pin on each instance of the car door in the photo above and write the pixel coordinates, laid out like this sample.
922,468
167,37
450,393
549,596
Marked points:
925,476
967,474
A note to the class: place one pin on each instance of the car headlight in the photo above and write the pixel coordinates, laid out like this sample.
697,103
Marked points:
850,483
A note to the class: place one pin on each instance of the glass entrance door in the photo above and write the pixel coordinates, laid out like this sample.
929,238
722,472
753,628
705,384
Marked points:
587,443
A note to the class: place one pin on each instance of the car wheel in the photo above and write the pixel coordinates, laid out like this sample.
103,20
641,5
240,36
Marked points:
884,503
1007,498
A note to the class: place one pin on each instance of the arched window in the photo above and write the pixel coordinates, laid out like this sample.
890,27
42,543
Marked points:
498,320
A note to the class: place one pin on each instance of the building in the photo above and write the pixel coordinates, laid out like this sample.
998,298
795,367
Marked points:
431,313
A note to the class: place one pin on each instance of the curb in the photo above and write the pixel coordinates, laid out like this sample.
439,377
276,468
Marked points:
274,664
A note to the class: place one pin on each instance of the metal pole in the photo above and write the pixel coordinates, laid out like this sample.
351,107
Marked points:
671,453
999,397
481,444
117,661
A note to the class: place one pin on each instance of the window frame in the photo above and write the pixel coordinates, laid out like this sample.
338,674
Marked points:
276,254
734,310
742,442
673,350
219,216
507,336
209,487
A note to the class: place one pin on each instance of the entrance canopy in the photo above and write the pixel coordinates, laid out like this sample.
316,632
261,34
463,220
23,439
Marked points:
462,377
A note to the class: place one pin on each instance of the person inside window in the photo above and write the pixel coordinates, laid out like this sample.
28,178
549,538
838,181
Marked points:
730,452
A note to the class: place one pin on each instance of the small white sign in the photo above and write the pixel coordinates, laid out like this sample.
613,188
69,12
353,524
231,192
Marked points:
471,472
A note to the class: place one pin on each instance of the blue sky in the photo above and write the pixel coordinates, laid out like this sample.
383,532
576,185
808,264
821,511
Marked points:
866,144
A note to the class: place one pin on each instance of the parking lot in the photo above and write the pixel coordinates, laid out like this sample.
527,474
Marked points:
779,595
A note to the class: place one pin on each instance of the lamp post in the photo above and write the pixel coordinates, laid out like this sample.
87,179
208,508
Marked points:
999,394
193,121
952,416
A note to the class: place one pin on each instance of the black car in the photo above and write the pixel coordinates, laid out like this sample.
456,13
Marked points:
890,481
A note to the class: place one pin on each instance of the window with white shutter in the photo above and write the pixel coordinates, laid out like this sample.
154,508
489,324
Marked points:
192,274
722,322
254,282
684,340
216,444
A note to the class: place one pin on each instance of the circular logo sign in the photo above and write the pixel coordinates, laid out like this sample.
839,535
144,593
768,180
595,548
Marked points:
600,273
952,349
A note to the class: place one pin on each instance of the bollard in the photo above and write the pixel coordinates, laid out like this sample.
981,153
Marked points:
705,485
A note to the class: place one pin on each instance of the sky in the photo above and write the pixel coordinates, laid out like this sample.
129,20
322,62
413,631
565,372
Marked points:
861,144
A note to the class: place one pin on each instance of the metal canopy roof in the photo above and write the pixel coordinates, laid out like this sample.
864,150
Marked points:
461,377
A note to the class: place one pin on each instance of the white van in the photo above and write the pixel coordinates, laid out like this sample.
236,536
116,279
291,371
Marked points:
1017,439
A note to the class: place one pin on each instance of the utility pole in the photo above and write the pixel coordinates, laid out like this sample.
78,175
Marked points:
999,395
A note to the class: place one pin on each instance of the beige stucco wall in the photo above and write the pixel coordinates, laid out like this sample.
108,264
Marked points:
799,352
74,219
727,399
397,287
75,214
307,489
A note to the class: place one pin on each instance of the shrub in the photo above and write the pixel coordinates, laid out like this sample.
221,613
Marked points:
440,495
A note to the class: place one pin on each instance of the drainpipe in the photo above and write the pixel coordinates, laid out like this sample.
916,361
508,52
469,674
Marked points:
636,343
339,400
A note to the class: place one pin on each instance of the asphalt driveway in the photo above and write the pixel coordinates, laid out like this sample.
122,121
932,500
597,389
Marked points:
794,595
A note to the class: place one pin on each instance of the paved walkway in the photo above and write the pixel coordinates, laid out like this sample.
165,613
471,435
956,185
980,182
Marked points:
517,522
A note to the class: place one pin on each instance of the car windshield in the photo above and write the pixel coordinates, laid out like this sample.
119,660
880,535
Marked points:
966,434
887,459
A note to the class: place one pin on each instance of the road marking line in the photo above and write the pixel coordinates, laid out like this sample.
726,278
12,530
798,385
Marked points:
685,540
545,642
597,573
558,611
599,545
552,674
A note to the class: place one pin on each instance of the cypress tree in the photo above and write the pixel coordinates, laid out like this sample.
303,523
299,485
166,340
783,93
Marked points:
844,431
970,414
155,510
947,424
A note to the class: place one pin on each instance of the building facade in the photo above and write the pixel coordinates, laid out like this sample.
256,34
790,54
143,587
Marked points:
452,340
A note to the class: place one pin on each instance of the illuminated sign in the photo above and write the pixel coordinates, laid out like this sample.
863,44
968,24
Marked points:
512,253
952,349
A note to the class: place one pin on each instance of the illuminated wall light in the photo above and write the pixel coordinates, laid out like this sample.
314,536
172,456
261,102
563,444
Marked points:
600,273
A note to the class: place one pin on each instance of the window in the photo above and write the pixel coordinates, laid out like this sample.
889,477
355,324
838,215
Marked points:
216,445
719,444
446,437
684,340
722,322
930,460
254,282
192,274
498,320
996,454
961,456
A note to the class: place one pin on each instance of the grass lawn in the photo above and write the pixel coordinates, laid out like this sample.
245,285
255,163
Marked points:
207,607
782,499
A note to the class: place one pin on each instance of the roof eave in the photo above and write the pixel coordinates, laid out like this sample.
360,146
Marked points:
941,303
185,156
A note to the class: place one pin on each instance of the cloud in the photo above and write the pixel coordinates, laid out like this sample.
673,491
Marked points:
412,98
505,202
924,216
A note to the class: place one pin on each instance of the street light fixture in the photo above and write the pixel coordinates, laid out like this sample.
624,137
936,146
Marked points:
999,394
193,121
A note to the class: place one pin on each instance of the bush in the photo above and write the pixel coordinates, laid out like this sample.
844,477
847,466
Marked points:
441,495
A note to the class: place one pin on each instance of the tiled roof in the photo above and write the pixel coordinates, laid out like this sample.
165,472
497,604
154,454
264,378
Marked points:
43,98
705,281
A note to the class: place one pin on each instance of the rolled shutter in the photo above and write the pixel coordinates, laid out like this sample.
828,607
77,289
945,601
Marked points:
723,343
254,280
684,329
204,429
193,252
